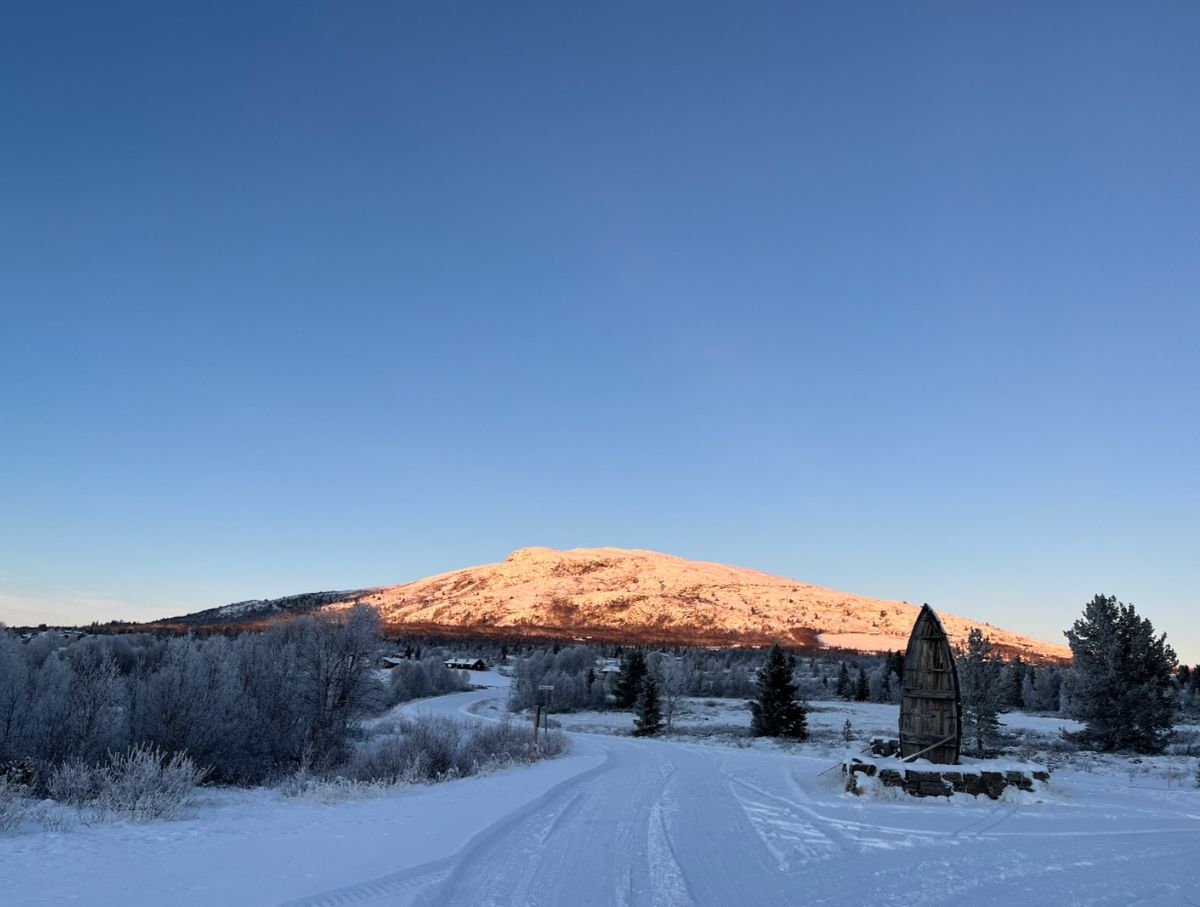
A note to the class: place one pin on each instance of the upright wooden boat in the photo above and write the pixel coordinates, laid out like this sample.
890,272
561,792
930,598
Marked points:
930,710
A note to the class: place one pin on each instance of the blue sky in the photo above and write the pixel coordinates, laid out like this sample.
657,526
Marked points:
896,298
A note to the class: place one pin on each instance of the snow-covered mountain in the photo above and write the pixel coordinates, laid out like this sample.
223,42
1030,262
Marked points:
633,595
259,609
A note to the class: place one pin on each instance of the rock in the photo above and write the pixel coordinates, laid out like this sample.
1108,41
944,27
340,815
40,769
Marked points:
889,777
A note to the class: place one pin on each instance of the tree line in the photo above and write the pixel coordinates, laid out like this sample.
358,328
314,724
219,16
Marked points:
248,708
1124,683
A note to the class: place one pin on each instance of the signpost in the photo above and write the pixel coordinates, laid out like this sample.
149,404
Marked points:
537,710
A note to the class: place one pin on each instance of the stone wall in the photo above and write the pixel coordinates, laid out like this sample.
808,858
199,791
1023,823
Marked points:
942,782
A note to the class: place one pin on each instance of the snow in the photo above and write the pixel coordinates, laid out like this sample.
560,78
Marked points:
864,642
646,822
618,591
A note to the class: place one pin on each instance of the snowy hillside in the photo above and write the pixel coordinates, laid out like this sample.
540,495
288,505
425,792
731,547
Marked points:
617,593
259,609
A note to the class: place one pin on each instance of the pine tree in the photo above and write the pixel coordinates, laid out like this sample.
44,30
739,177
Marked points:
630,679
648,720
1029,694
1016,682
776,712
862,689
1121,679
843,681
984,697
847,731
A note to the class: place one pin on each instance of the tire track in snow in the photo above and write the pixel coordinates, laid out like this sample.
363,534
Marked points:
597,838
392,886
418,880
670,887
721,856
828,829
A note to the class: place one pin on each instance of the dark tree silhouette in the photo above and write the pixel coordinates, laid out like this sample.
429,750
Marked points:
648,721
630,679
776,712
1122,679
844,687
862,689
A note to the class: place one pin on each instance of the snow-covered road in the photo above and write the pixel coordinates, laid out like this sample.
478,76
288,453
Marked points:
635,822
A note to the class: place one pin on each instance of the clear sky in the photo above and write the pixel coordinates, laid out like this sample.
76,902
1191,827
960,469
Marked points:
902,299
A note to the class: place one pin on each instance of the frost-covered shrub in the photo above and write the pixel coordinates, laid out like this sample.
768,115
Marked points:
438,748
305,786
14,805
552,743
250,708
75,784
426,751
144,783
430,677
140,784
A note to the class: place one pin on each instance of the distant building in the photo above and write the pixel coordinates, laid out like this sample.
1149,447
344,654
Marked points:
457,663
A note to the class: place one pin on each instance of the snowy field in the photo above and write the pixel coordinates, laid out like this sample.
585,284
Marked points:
704,717
649,822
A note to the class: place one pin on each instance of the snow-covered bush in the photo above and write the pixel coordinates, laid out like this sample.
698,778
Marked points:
250,708
305,786
424,751
144,783
504,743
437,748
75,784
14,805
140,784
416,679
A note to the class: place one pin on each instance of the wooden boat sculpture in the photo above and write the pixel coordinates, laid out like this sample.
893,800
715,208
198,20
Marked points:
930,709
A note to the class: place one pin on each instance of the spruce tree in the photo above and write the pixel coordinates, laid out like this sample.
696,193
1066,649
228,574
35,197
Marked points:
1121,675
843,681
630,679
1016,683
862,689
776,712
648,720
983,695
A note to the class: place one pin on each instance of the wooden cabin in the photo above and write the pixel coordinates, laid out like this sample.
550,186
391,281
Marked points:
461,663
930,707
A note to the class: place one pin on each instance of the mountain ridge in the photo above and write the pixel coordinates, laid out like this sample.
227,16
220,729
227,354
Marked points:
632,595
